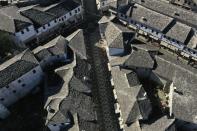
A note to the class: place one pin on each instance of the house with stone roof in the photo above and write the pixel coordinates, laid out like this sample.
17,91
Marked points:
47,20
117,36
19,76
19,28
53,53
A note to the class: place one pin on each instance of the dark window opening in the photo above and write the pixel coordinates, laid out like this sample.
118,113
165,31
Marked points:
14,91
22,32
70,13
7,86
176,14
27,29
2,99
44,27
55,21
78,9
49,24
75,11
34,71
144,19
23,85
19,81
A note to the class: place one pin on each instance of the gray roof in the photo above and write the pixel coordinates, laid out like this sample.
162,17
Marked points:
113,36
77,43
160,125
149,17
179,32
16,67
62,8
57,46
11,20
168,9
79,85
38,17
139,59
126,95
184,79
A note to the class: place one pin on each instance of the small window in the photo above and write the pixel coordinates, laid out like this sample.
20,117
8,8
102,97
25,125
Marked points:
62,19
14,91
55,21
142,1
54,125
65,17
23,85
19,81
44,27
2,99
22,32
27,29
75,11
49,24
34,71
78,9
177,14
144,19
7,87
70,13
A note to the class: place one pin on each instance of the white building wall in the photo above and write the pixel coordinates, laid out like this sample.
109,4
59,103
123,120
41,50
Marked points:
26,34
30,33
21,87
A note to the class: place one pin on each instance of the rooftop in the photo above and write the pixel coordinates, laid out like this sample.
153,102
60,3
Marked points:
16,67
38,17
148,17
11,20
179,32
180,14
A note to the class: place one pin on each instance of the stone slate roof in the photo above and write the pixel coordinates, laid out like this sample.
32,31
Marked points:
11,20
149,17
126,95
160,125
184,79
179,32
16,67
38,17
62,8
139,59
56,46
77,43
171,10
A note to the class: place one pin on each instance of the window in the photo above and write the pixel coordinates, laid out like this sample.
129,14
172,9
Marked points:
23,85
142,1
44,27
75,11
176,14
65,17
19,81
49,24
27,29
62,19
70,13
22,32
7,87
14,91
34,71
55,21
144,19
78,9
2,99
